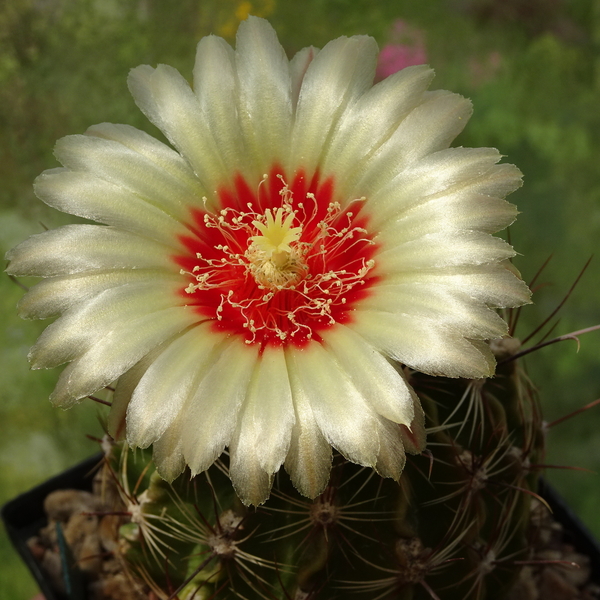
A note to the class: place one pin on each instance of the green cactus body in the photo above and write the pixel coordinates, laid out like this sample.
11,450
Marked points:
455,526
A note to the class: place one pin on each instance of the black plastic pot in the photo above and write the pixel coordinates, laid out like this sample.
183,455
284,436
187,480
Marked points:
24,517
575,532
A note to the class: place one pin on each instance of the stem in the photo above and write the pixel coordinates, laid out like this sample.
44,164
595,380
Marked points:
568,336
561,303
576,412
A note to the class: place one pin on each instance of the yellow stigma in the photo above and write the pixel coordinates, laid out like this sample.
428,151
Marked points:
275,263
277,235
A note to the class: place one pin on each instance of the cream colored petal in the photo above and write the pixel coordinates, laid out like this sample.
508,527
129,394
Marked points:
124,388
167,100
414,438
424,345
55,295
166,182
87,196
440,250
265,93
454,172
428,128
268,410
298,66
392,457
83,248
251,483
109,312
309,457
383,386
339,409
370,121
453,212
164,157
167,452
341,72
449,308
262,438
495,284
212,412
115,423
438,172
216,88
116,352
168,382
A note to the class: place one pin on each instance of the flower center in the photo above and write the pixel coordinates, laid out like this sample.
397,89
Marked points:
278,265
274,258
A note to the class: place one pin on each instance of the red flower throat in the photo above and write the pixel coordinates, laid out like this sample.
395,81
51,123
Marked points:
279,264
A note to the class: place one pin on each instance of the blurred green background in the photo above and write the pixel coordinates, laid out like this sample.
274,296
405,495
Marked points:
531,67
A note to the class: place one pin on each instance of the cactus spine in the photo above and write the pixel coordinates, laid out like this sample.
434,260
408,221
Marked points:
455,526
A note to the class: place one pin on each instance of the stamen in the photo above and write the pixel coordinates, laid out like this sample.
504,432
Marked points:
282,273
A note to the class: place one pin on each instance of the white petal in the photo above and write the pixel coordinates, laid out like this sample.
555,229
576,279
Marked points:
87,196
424,345
251,483
124,387
438,172
167,452
496,284
167,182
83,248
341,412
298,66
108,313
458,172
414,438
262,438
116,352
309,457
449,308
55,295
370,121
216,88
375,378
428,128
268,414
168,383
453,212
440,250
341,72
392,457
167,100
183,178
212,412
115,423
265,92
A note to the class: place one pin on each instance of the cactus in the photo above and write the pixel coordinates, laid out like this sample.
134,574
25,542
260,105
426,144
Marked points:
455,526
290,279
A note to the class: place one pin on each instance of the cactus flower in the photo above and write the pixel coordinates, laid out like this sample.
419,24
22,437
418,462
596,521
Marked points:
261,285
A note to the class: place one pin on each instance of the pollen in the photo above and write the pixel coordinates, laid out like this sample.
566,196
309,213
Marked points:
274,257
281,263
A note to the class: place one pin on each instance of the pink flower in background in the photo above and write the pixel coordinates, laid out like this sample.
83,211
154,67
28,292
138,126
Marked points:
406,48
